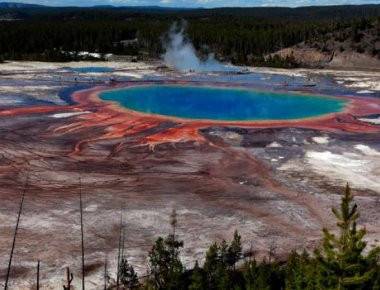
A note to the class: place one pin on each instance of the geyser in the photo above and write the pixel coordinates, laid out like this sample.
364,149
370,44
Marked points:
181,54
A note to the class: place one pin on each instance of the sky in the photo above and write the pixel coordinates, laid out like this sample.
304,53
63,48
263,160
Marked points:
197,3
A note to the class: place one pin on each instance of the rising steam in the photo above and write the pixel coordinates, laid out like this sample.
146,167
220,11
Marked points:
181,55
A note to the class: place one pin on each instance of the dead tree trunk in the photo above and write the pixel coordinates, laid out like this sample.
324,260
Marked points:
105,273
69,279
119,251
38,275
15,234
81,229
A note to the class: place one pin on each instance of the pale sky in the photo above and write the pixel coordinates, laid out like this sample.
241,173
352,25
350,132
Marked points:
198,3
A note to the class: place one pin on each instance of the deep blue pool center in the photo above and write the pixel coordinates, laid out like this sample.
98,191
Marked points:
222,104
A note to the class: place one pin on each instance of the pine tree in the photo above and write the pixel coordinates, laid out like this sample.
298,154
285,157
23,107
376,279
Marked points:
300,272
159,260
234,250
223,254
341,260
196,278
128,276
293,275
211,264
257,276
166,267
250,273
220,263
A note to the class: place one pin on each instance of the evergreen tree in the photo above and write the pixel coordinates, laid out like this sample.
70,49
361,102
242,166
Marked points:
223,254
211,264
166,267
128,276
293,272
196,278
342,261
216,266
301,272
234,250
258,276
220,263
250,274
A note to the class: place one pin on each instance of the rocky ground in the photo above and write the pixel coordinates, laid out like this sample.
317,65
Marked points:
275,186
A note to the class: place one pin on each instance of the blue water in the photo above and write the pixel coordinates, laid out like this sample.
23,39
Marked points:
92,69
214,103
66,93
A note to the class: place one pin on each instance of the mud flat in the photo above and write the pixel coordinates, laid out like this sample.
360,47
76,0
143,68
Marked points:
275,184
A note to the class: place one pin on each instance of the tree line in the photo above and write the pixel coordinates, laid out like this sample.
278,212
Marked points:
342,261
240,39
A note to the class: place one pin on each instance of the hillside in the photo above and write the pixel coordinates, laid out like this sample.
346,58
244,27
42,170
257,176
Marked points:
355,46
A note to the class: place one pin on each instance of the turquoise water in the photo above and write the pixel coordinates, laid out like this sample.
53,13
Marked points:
92,69
227,104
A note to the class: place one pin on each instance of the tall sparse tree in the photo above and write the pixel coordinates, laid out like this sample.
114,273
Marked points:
342,259
165,265
234,250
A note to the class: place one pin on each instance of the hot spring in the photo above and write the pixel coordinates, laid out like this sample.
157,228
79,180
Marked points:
97,69
222,104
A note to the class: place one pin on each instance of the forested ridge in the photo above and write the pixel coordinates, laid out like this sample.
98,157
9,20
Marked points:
241,36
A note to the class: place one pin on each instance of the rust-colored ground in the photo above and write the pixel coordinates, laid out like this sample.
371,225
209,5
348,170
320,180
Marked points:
218,176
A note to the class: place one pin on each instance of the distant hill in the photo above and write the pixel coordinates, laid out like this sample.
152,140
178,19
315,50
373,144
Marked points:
17,5
298,13
117,12
26,11
13,5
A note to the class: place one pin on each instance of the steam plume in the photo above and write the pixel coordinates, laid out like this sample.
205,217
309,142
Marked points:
181,55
